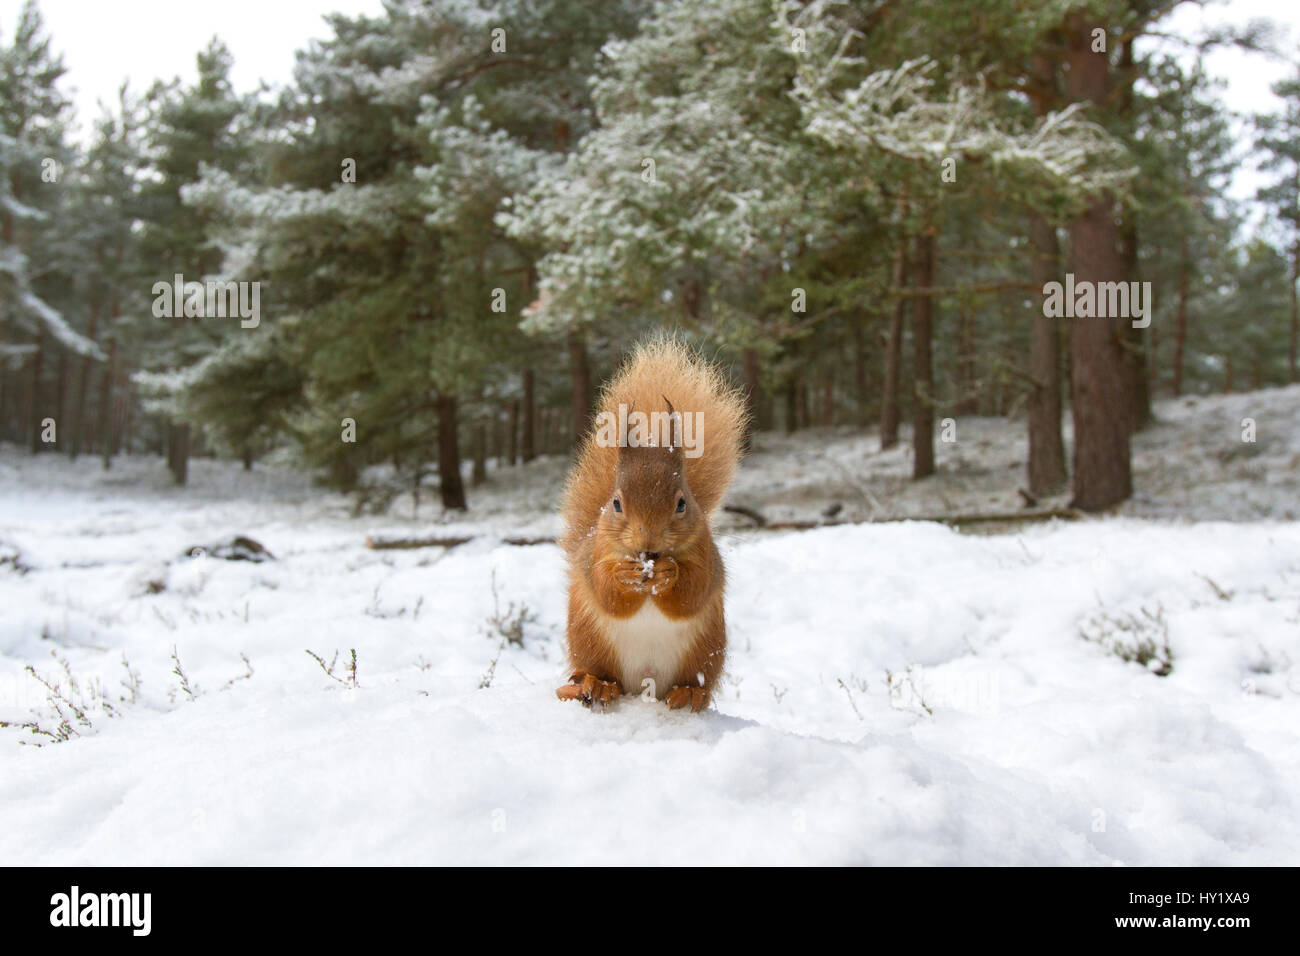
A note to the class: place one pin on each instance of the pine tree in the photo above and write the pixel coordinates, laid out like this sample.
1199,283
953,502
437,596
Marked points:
372,219
33,158
1279,138
912,122
188,128
696,195
107,282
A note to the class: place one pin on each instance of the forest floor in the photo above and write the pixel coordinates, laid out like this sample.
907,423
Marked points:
1121,689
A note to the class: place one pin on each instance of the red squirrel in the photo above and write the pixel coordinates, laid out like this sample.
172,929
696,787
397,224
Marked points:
645,578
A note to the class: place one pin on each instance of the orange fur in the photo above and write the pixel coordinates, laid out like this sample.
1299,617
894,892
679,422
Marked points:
646,580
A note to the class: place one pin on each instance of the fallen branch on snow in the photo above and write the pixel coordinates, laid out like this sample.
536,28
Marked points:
381,543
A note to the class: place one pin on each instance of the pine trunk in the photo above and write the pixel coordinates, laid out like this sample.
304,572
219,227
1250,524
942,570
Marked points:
450,484
512,433
1099,393
1295,307
1099,388
527,449
889,413
1046,446
1180,319
479,474
35,406
83,389
750,367
792,404
60,395
922,364
180,451
106,406
1135,339
968,402
861,395
580,380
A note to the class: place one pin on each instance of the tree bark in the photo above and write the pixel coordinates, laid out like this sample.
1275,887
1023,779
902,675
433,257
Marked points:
750,367
512,433
1046,446
34,407
1180,317
180,450
83,388
580,379
450,485
1295,307
861,396
1099,391
128,418
60,397
968,401
1135,339
527,449
106,406
922,364
792,404
889,413
479,474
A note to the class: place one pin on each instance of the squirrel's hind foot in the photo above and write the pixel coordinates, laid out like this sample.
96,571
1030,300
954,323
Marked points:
697,698
589,689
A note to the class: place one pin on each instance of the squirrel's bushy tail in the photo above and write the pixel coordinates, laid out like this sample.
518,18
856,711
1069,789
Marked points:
663,368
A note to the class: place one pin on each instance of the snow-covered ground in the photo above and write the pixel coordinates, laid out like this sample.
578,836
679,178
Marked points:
896,692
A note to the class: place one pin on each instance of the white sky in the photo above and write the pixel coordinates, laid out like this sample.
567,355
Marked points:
1248,76
105,41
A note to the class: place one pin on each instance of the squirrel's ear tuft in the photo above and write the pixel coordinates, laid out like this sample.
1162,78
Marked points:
674,447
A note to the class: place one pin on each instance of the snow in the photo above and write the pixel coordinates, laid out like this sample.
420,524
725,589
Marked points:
896,692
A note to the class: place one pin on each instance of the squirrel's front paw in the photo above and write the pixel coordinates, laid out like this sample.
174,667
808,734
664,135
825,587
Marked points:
663,577
697,698
629,574
589,689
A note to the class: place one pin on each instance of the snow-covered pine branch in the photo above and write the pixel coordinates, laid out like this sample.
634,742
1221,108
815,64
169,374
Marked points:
900,111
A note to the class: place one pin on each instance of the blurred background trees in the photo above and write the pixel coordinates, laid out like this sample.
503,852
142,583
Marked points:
461,215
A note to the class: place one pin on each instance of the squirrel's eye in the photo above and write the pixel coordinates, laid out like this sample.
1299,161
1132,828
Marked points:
681,505
618,506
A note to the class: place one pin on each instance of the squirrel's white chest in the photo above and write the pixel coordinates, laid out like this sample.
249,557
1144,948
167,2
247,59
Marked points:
649,645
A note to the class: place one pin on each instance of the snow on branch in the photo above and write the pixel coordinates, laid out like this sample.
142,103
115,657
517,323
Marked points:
56,326
901,111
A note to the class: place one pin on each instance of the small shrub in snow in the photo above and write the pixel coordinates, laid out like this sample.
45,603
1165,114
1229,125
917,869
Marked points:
1141,638
186,688
508,624
349,678
69,706
11,559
